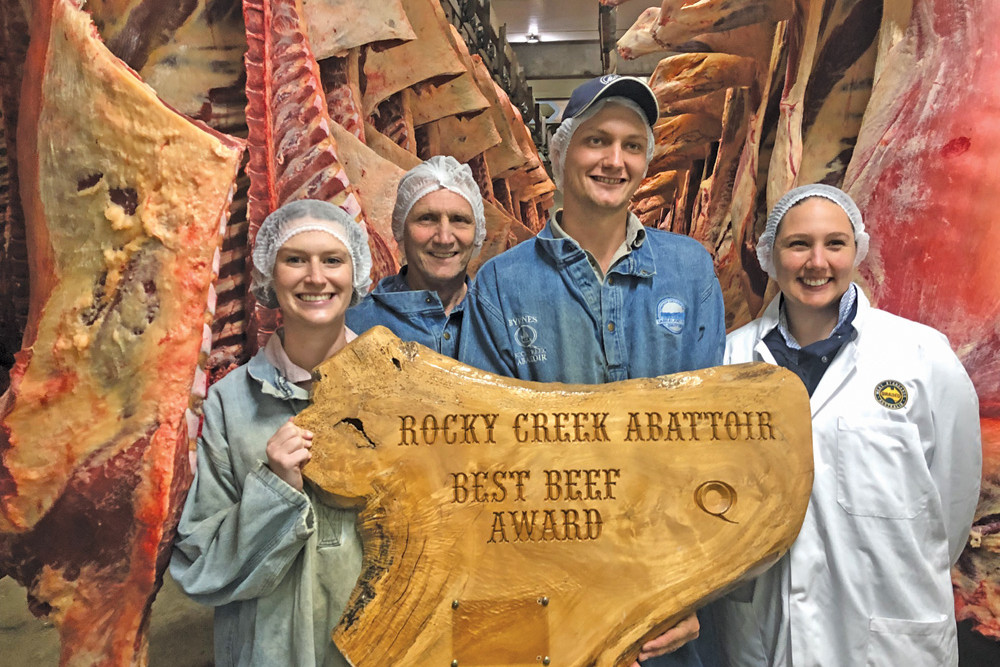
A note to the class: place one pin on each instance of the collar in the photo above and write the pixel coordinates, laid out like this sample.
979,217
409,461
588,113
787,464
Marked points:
393,283
635,232
847,301
275,354
272,368
634,256
272,381
771,316
395,293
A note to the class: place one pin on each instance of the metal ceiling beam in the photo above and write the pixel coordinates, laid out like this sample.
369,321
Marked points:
607,20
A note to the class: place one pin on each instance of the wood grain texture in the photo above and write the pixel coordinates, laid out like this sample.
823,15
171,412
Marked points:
644,504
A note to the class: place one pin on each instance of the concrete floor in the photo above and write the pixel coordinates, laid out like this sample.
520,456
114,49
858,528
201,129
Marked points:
180,631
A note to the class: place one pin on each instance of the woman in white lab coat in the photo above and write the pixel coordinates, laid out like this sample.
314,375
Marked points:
897,458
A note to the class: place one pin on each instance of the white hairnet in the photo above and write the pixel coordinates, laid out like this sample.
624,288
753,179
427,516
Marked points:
765,246
564,133
440,171
308,215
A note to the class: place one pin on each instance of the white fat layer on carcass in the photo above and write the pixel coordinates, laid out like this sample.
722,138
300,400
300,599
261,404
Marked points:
375,180
336,27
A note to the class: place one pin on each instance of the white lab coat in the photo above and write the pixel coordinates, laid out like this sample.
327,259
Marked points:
867,580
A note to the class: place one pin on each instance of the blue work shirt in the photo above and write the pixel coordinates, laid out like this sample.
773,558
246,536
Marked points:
416,315
540,312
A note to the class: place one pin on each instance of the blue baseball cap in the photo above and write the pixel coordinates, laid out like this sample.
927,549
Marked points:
613,85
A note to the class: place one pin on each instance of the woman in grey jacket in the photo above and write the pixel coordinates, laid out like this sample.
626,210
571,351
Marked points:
253,541
897,459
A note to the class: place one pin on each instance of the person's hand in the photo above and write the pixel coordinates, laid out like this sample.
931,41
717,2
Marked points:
671,640
288,451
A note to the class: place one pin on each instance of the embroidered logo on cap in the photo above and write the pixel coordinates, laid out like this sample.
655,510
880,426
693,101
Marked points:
608,78
670,314
891,394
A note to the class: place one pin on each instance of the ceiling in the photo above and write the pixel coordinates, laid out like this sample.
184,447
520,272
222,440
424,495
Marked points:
557,44
558,21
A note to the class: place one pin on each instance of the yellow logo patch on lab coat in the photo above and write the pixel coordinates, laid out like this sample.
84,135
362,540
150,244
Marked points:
891,394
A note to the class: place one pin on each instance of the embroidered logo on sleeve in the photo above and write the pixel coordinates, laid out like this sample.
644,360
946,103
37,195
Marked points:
891,394
525,336
670,314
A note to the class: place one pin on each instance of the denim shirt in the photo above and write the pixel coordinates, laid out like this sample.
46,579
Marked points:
277,565
416,315
539,312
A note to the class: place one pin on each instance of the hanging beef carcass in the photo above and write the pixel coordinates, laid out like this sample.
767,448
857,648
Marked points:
124,200
925,173
293,154
430,57
335,27
677,22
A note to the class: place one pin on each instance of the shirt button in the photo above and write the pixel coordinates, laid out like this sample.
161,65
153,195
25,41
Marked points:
447,336
427,300
611,281
825,359
611,326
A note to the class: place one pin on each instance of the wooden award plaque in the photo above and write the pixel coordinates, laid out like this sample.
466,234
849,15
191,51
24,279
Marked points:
520,523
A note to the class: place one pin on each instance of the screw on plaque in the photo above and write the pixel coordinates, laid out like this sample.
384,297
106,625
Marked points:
454,604
544,601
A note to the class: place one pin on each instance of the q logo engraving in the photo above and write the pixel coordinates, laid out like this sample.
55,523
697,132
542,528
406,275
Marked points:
891,394
716,498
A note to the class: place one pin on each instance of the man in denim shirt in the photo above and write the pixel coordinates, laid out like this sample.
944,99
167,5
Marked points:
439,222
596,297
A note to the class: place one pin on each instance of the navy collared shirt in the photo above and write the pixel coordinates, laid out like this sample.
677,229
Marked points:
810,362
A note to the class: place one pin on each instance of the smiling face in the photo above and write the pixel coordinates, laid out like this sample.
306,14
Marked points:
438,239
605,159
313,280
814,254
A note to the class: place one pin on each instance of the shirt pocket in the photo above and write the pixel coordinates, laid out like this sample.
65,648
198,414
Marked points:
330,524
912,643
881,471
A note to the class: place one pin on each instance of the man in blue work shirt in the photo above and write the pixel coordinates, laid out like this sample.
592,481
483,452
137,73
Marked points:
439,222
595,296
